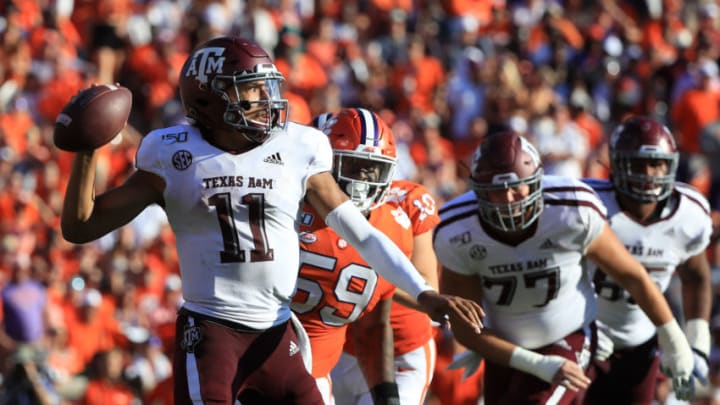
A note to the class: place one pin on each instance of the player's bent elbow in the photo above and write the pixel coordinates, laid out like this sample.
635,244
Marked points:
72,236
76,233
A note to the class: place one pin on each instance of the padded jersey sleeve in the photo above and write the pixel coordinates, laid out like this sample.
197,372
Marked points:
697,228
419,205
322,158
582,202
595,215
457,224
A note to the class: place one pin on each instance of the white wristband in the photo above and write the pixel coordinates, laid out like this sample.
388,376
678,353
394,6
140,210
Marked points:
697,331
376,248
541,366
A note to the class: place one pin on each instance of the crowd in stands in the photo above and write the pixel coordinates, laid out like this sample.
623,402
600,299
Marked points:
94,323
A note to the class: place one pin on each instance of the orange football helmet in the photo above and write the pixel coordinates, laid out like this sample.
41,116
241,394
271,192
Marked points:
365,156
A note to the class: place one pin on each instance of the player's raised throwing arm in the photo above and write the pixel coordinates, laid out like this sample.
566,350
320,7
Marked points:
86,217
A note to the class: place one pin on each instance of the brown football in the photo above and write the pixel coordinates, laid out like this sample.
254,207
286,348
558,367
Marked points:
92,118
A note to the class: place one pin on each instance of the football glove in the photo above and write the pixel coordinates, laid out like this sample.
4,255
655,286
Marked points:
469,360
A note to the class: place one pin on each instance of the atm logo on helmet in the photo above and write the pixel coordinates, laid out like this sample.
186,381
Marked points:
206,61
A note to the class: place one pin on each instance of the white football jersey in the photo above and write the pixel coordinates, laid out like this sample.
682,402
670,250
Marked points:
537,292
682,231
235,217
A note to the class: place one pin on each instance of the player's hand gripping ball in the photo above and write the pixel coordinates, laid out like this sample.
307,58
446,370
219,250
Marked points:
92,118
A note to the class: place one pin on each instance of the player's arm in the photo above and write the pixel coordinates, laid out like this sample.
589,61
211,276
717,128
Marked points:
552,369
613,258
608,252
424,259
697,301
383,255
696,287
86,217
374,350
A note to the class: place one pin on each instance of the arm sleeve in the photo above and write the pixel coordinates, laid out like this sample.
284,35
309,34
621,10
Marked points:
376,249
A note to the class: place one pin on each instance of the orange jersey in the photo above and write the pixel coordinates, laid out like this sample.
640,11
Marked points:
414,207
336,286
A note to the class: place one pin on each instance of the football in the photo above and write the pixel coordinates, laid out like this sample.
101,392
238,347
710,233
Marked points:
92,118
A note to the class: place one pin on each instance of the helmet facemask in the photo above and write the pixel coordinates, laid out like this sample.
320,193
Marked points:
629,174
510,216
364,175
231,88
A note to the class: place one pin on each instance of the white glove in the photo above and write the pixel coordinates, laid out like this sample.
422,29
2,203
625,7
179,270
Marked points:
697,331
676,359
469,360
605,345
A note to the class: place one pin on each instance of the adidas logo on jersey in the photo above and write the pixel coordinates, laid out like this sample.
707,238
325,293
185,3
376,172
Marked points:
294,348
548,244
274,159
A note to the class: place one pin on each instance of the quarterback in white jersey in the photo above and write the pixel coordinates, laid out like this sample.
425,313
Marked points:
516,243
666,226
236,218
232,184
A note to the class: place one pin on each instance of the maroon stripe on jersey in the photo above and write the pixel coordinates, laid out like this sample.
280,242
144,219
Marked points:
576,203
567,189
693,199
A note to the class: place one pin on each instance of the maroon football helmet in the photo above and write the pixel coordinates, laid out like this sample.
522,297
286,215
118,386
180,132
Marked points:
635,141
503,161
210,94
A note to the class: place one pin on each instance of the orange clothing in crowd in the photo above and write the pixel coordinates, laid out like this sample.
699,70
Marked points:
539,35
692,112
417,81
66,362
15,214
592,127
324,51
89,337
29,13
421,156
389,5
479,9
303,75
14,127
299,108
57,92
103,392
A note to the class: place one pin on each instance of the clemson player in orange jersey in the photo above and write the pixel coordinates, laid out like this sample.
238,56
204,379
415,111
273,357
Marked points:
336,286
414,347
412,216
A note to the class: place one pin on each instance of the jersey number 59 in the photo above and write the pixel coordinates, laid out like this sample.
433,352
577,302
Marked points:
345,304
